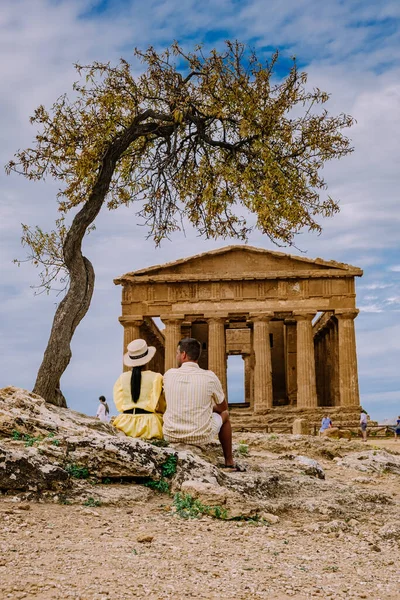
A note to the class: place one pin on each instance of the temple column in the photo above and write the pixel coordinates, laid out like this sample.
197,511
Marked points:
318,367
306,382
347,355
333,337
290,360
217,350
263,397
173,336
131,332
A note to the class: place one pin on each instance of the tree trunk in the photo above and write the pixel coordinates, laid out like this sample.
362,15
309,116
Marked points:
58,353
76,303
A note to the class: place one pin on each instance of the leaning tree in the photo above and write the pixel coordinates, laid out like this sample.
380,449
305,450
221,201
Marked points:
195,137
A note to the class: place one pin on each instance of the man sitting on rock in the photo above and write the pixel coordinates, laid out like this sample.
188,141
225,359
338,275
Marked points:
196,407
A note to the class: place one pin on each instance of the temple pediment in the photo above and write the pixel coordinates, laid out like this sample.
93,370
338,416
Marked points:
241,262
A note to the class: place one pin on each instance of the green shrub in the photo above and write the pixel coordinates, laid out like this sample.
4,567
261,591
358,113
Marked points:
76,471
168,468
159,485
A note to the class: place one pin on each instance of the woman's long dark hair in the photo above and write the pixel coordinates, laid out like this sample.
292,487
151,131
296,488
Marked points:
103,400
136,381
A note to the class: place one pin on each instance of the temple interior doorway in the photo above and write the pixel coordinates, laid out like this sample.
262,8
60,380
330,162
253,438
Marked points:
235,374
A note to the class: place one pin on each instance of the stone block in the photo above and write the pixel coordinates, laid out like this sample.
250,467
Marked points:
301,426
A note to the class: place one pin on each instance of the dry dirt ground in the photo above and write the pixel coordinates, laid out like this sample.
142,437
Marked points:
53,551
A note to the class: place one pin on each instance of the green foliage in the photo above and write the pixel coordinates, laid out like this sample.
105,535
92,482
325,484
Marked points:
168,468
159,443
188,507
92,502
243,449
76,471
195,136
159,485
30,440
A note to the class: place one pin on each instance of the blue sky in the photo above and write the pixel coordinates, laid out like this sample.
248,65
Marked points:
350,49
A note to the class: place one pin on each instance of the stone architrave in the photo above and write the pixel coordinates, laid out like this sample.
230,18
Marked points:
348,380
263,397
217,350
306,381
172,338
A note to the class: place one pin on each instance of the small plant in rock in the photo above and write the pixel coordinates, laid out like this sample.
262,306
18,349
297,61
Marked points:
159,485
168,468
159,443
77,472
188,507
92,502
30,440
16,435
243,448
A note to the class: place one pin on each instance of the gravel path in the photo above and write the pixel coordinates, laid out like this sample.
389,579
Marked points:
51,551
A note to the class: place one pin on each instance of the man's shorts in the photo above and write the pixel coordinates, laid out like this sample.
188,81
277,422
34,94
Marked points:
216,424
363,427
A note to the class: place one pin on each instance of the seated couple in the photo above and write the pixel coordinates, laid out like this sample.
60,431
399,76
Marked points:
194,410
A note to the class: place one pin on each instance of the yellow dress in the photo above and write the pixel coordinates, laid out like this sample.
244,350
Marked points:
145,426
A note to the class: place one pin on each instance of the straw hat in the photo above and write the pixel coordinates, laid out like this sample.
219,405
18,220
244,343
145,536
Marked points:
139,353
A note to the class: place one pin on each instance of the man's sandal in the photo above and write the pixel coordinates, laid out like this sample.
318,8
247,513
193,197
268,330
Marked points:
234,468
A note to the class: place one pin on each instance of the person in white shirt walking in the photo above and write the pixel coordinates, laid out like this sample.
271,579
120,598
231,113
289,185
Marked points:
103,412
196,407
363,425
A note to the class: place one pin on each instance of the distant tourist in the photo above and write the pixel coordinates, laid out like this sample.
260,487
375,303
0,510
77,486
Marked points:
197,411
326,423
138,395
397,430
103,412
363,425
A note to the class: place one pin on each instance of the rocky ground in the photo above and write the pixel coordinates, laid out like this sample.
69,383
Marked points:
310,517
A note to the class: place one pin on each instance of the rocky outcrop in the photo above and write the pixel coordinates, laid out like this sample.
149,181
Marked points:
372,461
61,455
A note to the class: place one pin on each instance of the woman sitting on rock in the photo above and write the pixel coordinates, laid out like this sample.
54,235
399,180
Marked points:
138,395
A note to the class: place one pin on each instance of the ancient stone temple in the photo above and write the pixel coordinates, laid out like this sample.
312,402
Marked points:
290,318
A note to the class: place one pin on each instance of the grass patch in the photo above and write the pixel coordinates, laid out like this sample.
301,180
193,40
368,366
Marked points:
243,449
188,507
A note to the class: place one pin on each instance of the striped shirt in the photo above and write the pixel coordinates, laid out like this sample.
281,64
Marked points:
190,393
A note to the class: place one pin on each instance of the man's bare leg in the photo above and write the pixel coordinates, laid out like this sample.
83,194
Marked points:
225,438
